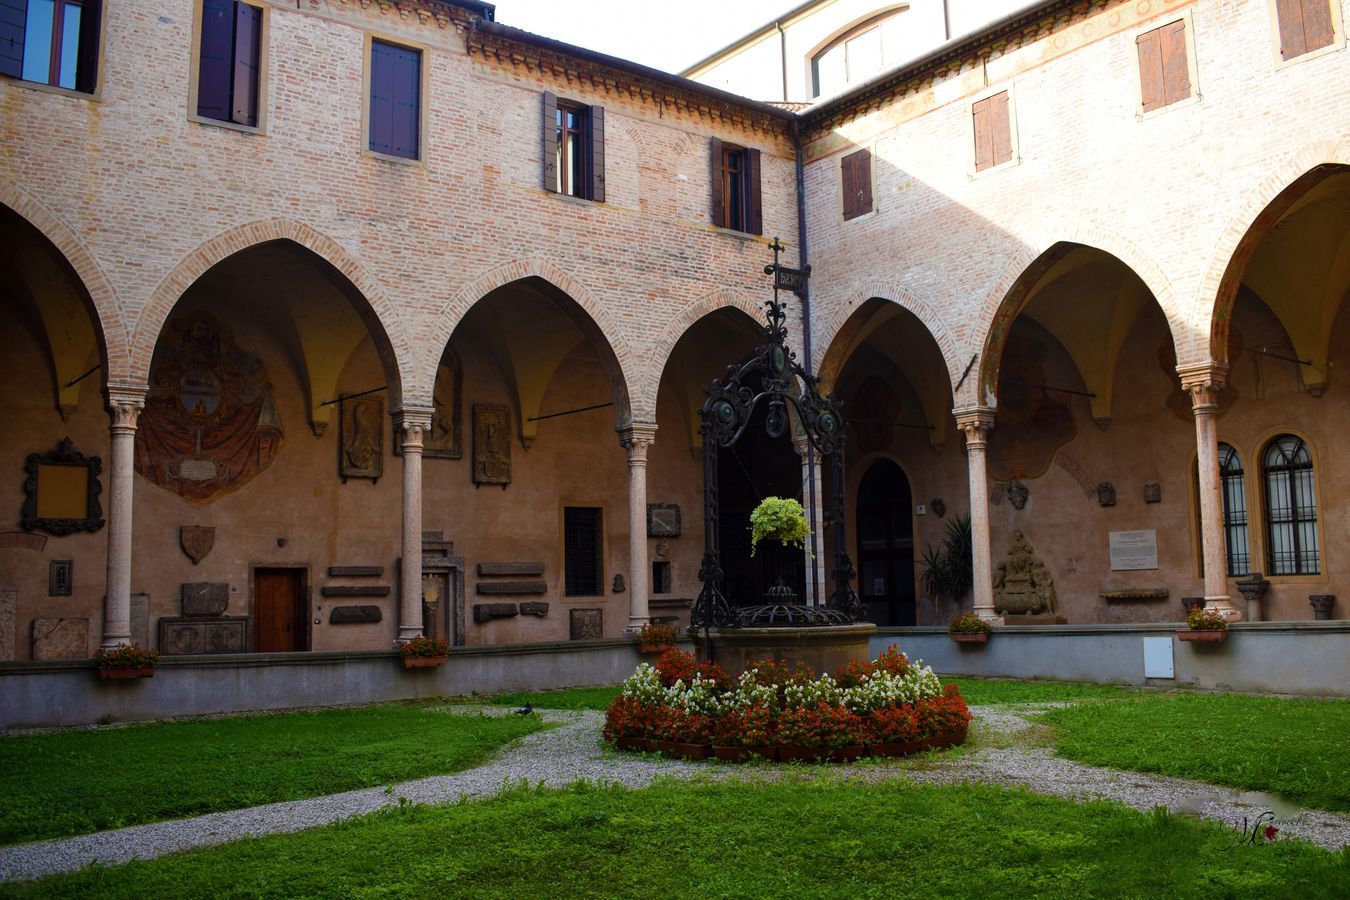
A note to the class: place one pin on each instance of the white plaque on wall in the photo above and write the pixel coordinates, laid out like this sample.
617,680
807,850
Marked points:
1134,550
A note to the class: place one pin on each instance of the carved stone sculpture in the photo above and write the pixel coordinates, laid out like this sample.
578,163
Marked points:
492,445
1106,494
1017,494
1153,492
1022,584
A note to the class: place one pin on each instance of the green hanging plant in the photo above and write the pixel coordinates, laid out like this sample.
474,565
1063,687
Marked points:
949,569
780,519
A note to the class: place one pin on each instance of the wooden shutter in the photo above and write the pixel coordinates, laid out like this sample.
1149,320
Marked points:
754,219
1176,73
719,177
984,146
86,55
1289,13
550,142
213,70
13,22
247,63
595,144
856,169
1000,129
381,97
848,185
1151,85
407,108
1317,30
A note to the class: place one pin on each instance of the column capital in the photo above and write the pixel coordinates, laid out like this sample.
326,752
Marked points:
975,421
413,421
1203,381
636,437
125,402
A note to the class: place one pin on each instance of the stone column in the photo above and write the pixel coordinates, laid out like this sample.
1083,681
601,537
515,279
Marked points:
1203,383
812,492
125,402
976,421
636,438
413,424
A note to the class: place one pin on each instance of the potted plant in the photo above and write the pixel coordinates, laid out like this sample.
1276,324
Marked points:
969,628
743,733
126,661
688,733
780,519
655,639
894,731
822,731
424,652
627,723
1206,625
949,568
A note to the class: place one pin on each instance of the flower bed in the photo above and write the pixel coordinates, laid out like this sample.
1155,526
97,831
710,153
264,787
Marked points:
887,707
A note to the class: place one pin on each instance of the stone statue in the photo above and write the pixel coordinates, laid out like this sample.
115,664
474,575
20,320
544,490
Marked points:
1018,493
1022,583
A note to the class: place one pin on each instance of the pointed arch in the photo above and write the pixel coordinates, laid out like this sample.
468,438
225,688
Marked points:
689,315
596,323
1022,273
381,317
110,325
1257,212
834,336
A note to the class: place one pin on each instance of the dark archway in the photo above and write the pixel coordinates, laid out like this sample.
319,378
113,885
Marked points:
886,545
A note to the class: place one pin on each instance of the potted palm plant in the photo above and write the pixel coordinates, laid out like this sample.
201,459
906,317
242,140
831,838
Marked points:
949,568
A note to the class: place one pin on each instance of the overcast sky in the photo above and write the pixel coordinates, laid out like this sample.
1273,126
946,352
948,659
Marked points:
663,35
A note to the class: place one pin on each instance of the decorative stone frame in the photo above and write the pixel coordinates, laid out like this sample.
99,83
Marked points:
65,454
195,68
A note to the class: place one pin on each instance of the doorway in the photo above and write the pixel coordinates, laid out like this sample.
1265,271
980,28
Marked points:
886,545
280,610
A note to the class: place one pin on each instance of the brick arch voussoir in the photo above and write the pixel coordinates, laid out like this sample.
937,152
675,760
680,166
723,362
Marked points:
1218,287
831,363
1008,295
172,287
454,310
689,315
111,321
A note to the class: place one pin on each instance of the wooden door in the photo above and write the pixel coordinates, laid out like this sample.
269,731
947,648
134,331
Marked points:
279,611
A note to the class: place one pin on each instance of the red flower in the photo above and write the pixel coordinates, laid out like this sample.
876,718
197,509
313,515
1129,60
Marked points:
1271,831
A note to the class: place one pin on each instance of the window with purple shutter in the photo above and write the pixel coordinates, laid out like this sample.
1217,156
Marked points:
51,42
395,99
230,64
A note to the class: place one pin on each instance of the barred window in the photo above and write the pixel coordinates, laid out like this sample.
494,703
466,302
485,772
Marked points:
1233,488
1291,507
583,572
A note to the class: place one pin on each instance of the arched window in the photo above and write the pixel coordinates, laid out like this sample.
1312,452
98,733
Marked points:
1233,488
1291,507
860,51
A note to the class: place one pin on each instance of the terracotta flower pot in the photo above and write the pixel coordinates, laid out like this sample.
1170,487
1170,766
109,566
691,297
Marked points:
423,662
798,753
652,649
950,739
142,672
899,749
635,744
970,637
1203,636
666,747
693,751
846,754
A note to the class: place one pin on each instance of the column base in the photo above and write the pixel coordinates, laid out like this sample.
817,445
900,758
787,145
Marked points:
1224,607
636,625
406,634
990,616
113,641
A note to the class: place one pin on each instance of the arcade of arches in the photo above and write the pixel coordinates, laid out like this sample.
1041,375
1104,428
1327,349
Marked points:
288,496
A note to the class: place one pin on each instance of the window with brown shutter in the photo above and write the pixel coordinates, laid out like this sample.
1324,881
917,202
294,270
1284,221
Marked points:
1164,70
229,62
395,100
735,188
1305,25
856,179
993,131
574,148
53,42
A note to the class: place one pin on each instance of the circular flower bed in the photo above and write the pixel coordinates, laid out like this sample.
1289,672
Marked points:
886,707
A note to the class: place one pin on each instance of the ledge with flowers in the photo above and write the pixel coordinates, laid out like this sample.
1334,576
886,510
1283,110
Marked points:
885,707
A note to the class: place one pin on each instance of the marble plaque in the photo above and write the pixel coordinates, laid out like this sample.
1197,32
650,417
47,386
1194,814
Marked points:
1134,550
190,636
140,619
587,624
9,601
205,598
663,520
60,638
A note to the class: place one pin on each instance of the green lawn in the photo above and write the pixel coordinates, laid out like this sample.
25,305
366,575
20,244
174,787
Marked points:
74,782
569,698
1298,748
789,840
992,691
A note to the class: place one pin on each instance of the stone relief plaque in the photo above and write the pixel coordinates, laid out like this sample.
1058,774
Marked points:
61,578
196,541
445,440
663,520
1134,550
60,638
492,445
209,423
187,637
362,439
587,624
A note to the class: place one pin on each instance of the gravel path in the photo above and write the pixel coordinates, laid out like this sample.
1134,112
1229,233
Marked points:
570,752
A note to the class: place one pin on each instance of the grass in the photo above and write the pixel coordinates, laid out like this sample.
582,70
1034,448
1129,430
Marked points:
1297,748
817,839
990,691
74,782
570,698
